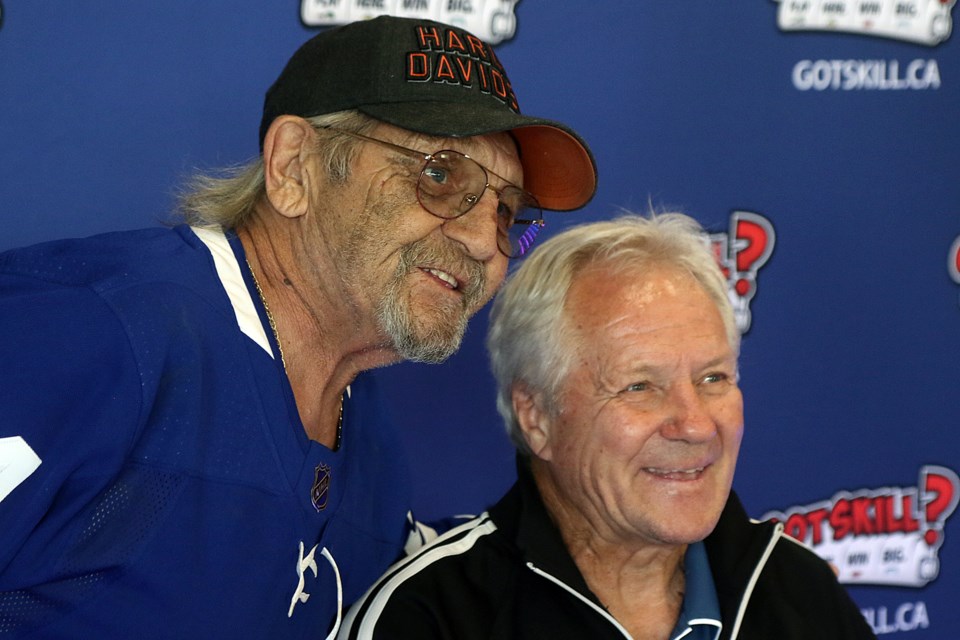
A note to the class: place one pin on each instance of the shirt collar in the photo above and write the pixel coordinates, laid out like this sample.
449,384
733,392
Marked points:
700,612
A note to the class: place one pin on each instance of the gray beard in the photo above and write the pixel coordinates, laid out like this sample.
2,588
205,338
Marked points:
435,342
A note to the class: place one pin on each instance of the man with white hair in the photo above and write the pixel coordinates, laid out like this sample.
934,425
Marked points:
615,352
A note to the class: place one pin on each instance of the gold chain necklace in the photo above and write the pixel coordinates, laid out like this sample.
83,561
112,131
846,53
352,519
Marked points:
266,307
283,361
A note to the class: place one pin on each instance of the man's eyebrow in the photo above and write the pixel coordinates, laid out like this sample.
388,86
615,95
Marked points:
728,358
638,366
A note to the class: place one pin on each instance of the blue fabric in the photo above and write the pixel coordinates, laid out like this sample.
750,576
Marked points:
173,498
700,613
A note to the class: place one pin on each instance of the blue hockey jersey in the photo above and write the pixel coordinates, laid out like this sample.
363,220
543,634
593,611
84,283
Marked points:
155,479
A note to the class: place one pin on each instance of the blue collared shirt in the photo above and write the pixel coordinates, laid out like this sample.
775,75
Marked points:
700,612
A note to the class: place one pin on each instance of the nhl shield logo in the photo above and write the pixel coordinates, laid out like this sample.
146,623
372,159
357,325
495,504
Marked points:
321,487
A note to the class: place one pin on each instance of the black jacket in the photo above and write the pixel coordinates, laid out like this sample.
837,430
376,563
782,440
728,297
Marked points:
507,574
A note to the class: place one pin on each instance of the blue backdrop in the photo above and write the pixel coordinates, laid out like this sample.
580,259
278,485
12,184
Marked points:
815,139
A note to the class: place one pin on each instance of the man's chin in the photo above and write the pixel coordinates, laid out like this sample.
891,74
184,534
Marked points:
424,326
433,348
431,337
427,354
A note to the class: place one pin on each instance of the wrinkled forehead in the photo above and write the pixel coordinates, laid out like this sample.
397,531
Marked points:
639,284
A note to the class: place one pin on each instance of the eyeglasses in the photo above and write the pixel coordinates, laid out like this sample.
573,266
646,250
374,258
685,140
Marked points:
451,183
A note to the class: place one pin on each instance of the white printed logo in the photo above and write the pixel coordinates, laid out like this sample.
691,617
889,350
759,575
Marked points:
855,75
491,20
920,21
305,562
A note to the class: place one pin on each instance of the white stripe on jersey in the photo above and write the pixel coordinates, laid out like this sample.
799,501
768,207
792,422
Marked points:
229,272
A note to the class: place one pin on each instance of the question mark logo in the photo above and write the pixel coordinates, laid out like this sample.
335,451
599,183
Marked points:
741,253
752,247
939,499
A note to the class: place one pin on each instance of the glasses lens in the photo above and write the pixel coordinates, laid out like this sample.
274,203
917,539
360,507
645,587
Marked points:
519,221
450,184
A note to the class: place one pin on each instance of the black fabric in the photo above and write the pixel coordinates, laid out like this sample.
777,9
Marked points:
796,596
494,588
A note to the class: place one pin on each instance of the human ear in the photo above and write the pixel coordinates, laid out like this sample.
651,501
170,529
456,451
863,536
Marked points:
533,418
287,179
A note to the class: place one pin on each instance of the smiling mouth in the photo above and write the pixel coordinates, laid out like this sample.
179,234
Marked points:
450,281
675,474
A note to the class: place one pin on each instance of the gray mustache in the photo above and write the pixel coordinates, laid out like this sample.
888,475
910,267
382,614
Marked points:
423,253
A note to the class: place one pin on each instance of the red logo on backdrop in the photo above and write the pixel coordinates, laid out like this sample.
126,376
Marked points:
741,252
953,261
888,536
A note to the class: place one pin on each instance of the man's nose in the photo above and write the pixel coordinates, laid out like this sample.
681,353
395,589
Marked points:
689,418
476,230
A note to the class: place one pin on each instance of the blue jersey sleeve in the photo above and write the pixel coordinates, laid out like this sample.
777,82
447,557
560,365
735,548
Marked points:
70,394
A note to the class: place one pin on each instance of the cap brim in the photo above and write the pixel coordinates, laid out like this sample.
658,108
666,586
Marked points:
558,167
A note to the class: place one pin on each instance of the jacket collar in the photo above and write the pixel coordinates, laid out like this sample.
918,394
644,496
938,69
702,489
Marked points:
523,517
734,549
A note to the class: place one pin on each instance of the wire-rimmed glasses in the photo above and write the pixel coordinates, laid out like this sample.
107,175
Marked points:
451,183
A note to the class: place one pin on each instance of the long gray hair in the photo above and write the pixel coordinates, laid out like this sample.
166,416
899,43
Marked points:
227,197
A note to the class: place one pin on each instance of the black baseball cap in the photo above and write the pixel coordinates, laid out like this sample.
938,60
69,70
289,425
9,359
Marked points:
435,79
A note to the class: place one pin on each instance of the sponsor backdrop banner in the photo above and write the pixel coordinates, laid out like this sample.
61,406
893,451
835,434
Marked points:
817,140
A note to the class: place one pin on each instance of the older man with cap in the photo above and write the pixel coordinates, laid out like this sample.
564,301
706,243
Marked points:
187,445
615,352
